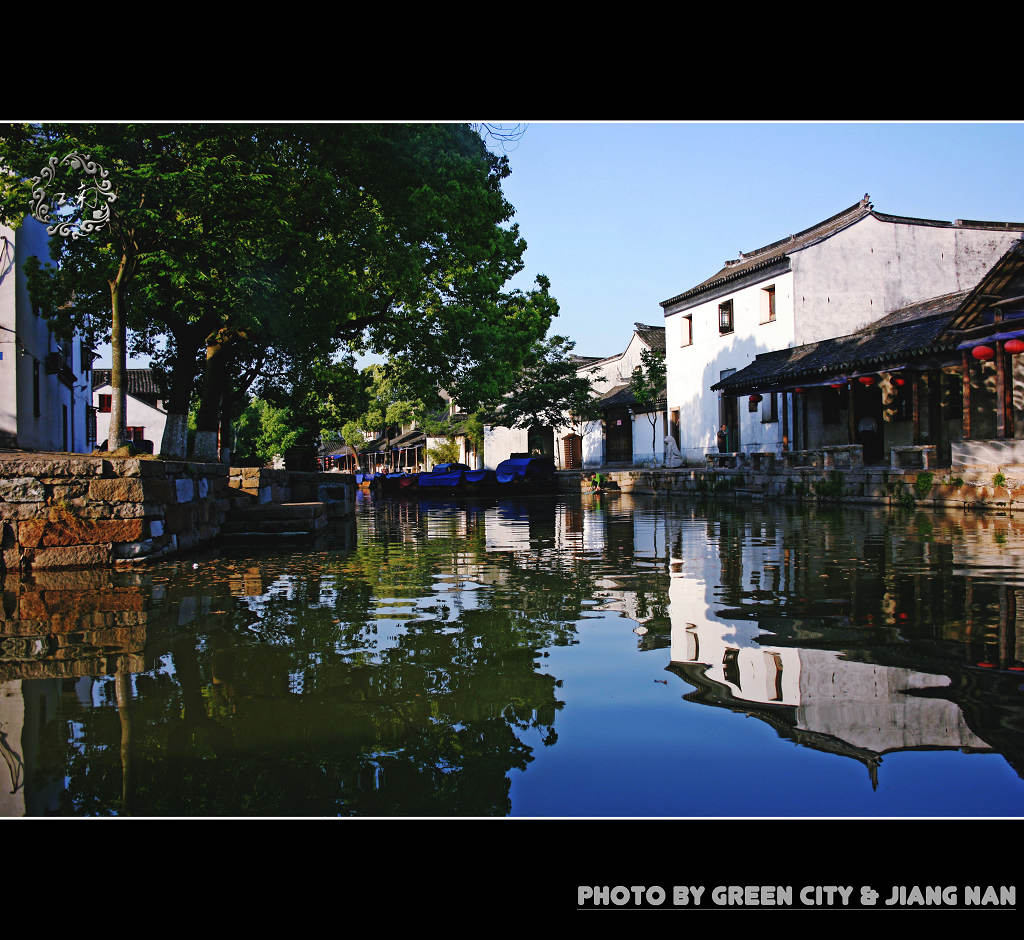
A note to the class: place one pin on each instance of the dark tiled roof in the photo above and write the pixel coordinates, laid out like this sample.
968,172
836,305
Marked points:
771,254
751,261
140,381
620,396
1006,277
653,336
910,332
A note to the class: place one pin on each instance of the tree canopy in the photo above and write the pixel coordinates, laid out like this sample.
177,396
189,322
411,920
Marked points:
255,258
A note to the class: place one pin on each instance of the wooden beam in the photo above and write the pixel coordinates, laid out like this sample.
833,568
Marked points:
851,420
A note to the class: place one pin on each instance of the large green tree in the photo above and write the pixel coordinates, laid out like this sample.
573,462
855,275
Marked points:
552,388
244,246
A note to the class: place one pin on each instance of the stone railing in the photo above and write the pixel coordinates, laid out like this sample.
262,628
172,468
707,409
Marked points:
914,456
796,459
846,456
728,461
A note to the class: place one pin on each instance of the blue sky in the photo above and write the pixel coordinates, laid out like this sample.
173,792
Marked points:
621,216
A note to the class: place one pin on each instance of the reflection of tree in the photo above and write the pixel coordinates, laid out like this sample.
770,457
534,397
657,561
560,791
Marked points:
360,682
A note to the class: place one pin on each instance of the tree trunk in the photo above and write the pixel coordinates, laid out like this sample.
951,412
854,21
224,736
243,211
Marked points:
175,439
214,387
116,434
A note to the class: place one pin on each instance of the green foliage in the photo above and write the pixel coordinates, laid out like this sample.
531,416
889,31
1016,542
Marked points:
999,479
548,390
831,488
923,484
264,431
448,452
905,497
647,383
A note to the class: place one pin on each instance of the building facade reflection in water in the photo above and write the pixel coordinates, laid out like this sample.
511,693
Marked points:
858,633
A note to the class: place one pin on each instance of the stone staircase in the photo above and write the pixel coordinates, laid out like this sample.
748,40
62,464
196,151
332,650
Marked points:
272,522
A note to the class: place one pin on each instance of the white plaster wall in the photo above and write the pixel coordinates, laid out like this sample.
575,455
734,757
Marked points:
500,443
873,267
137,415
693,369
25,338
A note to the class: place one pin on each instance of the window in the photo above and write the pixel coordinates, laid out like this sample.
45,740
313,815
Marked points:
768,304
105,404
686,328
135,434
725,317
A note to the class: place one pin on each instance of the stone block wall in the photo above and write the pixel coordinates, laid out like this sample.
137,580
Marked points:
336,490
62,510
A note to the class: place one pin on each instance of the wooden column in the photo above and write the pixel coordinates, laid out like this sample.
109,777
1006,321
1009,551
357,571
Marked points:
915,405
851,420
966,379
787,443
1000,391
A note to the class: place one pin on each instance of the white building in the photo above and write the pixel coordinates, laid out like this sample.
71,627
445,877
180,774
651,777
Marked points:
625,433
826,281
145,415
44,382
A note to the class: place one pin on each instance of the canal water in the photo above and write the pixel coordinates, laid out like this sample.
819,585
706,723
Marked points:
596,656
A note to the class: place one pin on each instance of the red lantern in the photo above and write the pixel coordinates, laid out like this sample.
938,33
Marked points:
983,353
754,399
867,380
799,391
1014,346
838,384
900,381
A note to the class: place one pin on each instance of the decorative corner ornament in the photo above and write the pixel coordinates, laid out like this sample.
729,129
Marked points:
93,198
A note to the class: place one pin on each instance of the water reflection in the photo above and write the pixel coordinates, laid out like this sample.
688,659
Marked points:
412,671
855,632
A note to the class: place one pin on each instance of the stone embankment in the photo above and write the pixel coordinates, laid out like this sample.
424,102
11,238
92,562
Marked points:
70,510
984,489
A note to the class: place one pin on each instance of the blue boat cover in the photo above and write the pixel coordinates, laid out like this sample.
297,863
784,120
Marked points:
449,467
479,476
441,480
525,468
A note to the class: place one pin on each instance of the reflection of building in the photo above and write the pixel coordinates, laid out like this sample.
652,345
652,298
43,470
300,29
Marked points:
820,698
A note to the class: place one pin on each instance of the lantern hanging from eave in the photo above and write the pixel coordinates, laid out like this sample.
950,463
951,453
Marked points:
900,381
754,399
798,391
983,353
1014,346
867,380
838,385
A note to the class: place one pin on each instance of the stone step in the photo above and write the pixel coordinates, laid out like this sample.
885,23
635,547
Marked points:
273,526
265,511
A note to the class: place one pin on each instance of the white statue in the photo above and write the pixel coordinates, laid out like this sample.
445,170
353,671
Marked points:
672,456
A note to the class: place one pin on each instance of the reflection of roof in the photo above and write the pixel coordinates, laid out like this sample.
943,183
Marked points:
912,331
140,381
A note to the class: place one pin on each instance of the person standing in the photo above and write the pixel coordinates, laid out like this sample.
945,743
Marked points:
723,440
